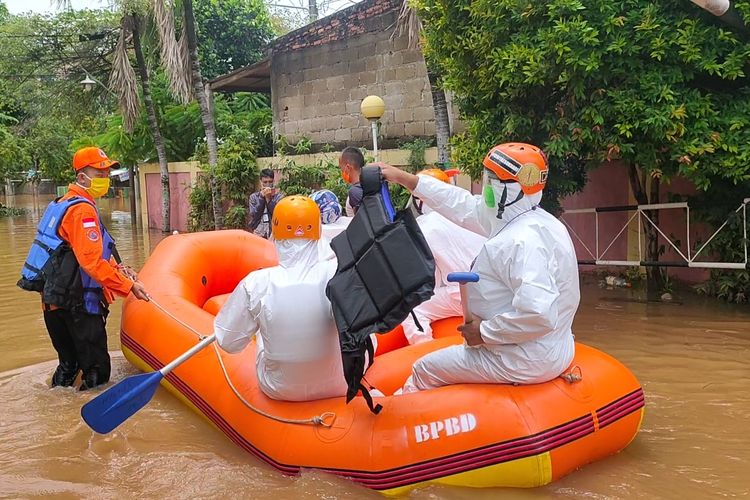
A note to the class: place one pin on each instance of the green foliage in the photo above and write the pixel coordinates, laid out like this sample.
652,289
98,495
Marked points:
235,217
633,274
231,34
283,147
237,175
712,208
304,179
303,146
416,149
661,85
42,105
732,287
236,170
11,211
200,217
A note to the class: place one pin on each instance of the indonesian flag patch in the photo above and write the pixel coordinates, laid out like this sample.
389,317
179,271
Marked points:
89,222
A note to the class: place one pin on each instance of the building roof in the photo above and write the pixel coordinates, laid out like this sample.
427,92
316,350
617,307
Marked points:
341,25
253,78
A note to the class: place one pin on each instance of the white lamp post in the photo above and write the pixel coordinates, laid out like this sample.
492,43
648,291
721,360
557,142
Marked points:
372,108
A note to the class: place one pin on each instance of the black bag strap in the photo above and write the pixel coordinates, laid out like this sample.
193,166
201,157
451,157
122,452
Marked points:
368,399
370,352
416,321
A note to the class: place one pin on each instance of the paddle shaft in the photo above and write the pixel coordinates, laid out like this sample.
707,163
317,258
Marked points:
465,302
187,355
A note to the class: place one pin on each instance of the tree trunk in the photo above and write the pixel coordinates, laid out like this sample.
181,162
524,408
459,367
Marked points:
131,183
207,116
638,185
442,121
161,150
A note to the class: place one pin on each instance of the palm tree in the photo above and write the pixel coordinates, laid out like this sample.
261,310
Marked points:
128,95
180,60
409,22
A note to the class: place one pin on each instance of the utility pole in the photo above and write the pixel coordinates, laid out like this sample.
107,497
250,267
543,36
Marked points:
313,10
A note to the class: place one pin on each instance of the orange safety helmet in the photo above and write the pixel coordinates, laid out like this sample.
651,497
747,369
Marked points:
519,162
92,157
436,173
296,217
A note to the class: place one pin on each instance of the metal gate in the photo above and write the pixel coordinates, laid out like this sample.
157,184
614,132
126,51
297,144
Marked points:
688,258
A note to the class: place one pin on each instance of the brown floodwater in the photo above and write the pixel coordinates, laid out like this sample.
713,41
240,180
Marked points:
691,357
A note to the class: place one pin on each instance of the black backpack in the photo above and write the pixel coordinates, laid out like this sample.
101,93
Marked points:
385,269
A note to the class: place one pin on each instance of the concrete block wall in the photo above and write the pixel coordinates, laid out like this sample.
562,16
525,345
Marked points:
317,90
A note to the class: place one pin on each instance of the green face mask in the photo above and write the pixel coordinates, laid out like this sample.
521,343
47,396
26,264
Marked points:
489,196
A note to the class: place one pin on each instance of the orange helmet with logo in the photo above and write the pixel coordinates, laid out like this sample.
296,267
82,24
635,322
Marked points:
436,173
519,162
92,157
296,217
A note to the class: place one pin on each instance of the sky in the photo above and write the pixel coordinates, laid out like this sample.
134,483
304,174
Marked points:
19,6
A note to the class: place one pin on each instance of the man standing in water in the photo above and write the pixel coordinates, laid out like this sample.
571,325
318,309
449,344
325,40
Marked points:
522,308
72,263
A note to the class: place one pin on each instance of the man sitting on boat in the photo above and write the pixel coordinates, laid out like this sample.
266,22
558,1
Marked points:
523,305
298,356
454,248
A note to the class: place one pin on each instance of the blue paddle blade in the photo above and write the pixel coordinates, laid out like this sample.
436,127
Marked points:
463,277
115,405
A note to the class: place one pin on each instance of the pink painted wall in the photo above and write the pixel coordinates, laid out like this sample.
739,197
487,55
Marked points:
179,206
607,186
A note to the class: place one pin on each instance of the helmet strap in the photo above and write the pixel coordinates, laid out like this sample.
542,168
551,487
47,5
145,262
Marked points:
417,203
502,205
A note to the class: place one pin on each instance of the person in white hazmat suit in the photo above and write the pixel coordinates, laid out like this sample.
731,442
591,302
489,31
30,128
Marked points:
522,308
454,248
298,354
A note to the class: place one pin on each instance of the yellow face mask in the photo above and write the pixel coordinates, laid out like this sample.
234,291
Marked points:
99,186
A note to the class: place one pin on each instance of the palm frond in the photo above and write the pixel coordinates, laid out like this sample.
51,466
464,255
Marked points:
172,57
123,82
186,79
408,22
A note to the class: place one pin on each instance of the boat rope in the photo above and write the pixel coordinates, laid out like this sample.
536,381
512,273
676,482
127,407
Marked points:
573,375
324,419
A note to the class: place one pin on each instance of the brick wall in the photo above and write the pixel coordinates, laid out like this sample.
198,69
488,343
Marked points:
317,90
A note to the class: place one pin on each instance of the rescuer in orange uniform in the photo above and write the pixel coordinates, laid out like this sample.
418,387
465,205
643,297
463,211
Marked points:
74,264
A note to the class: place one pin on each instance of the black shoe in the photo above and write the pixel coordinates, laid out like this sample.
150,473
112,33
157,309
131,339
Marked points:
90,380
65,375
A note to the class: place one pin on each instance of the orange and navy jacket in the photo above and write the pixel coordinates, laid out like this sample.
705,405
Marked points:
80,229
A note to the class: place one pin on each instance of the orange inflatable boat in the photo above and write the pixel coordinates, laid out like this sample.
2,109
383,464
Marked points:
466,435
